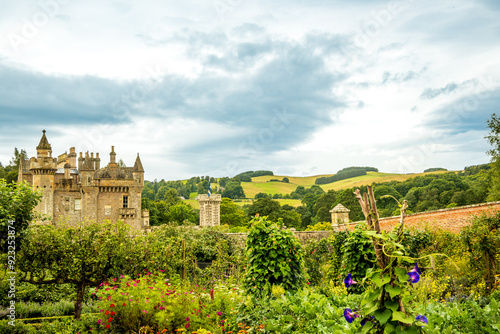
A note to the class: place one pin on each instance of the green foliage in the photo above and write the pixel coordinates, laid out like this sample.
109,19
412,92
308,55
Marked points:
357,257
231,214
302,312
340,176
17,201
324,226
182,213
255,174
273,210
233,190
435,169
275,257
82,255
482,240
316,257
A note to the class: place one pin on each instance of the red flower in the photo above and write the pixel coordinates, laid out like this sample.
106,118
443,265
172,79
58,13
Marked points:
124,304
110,319
107,312
113,313
107,326
212,294
112,305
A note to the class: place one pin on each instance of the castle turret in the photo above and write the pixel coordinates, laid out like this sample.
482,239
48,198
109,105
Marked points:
138,171
44,168
87,170
44,150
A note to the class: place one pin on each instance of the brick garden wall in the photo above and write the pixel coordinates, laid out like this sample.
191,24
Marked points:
452,219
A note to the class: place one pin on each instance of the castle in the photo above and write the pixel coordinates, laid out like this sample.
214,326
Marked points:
73,193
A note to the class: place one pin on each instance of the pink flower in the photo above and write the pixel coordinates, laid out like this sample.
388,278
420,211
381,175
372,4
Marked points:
99,321
219,313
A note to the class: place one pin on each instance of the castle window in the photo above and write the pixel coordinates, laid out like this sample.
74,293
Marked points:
125,201
78,204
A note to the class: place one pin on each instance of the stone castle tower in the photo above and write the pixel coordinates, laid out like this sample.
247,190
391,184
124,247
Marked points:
74,192
209,209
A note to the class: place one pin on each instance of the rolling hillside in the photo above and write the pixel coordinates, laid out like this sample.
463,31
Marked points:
261,184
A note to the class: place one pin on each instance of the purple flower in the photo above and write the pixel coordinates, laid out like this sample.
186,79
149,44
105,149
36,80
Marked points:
348,281
414,274
350,315
422,318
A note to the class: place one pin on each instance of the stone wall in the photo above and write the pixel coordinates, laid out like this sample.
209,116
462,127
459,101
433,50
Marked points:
303,236
452,219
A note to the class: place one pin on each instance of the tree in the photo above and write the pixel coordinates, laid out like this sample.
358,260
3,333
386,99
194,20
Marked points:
494,140
17,201
233,190
83,255
264,207
182,212
231,214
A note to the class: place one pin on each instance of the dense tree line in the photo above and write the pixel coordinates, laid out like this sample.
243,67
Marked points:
345,173
435,169
340,176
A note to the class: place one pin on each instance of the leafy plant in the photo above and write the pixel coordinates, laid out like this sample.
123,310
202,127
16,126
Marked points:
275,257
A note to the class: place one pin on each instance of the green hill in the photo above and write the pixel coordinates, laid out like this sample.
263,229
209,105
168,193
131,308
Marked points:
261,184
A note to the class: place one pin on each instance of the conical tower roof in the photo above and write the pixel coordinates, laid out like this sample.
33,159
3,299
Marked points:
44,143
340,208
138,165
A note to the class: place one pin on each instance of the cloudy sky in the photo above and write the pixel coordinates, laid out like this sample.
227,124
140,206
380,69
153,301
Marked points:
218,87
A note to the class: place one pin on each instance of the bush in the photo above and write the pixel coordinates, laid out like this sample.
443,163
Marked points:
275,257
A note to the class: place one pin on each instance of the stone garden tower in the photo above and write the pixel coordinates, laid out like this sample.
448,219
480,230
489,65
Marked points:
340,215
209,209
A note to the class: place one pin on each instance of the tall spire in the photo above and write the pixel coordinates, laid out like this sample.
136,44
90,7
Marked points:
138,165
44,143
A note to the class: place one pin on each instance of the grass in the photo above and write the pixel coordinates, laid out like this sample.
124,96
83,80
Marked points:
261,184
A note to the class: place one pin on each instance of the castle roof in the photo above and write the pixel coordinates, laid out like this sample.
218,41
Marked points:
114,173
87,163
138,165
44,143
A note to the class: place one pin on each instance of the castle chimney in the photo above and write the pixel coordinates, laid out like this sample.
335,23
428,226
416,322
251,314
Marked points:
112,156
72,157
97,162
67,169
80,161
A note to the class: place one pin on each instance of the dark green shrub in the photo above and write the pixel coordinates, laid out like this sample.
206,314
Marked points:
275,257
